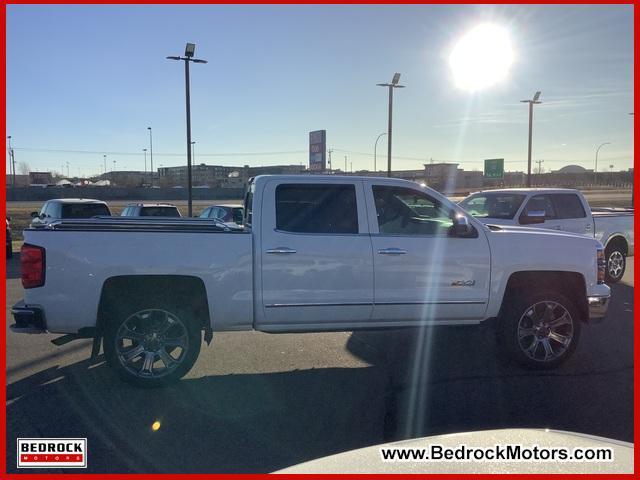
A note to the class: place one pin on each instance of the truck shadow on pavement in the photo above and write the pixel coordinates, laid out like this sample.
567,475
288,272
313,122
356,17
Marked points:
451,379
419,382
230,423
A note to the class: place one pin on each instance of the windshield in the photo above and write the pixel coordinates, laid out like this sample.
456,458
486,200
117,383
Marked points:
84,210
493,205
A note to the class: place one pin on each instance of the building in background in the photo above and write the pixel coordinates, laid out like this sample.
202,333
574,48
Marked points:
40,178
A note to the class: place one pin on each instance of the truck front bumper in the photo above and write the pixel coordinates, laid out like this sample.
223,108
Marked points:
29,319
598,308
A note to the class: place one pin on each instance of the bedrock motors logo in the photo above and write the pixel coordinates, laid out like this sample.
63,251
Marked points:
52,453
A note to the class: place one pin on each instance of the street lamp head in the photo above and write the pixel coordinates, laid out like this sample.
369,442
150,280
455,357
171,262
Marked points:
173,58
148,128
537,96
396,79
190,50
197,60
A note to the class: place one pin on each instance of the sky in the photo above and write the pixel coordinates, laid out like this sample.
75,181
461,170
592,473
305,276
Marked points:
84,81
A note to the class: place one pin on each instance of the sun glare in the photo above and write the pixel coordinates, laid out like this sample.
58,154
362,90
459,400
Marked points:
482,57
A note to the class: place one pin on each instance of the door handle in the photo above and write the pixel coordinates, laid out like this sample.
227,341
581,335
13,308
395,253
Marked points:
281,250
557,227
392,251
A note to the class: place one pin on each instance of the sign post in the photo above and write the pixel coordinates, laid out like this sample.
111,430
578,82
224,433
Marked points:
494,168
318,151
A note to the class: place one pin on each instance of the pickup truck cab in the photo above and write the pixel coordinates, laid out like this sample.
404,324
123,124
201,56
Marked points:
317,253
561,209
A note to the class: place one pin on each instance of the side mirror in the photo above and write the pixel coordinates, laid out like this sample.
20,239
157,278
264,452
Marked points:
532,218
34,214
461,226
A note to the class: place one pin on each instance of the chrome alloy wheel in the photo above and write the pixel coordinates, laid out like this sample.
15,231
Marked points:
152,343
545,331
615,264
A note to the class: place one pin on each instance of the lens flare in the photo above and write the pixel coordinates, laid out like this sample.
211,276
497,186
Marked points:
482,57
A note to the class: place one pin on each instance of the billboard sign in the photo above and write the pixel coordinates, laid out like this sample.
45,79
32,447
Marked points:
318,151
494,168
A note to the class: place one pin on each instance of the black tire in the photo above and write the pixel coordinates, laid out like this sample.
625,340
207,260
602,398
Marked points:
616,258
146,316
516,319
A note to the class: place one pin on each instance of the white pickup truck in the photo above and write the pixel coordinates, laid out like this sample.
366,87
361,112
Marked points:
318,253
559,209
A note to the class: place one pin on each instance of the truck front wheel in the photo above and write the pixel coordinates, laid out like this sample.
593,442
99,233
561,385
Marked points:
151,347
539,330
616,262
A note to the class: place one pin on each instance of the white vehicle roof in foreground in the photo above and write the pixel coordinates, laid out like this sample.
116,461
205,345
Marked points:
368,459
76,200
306,178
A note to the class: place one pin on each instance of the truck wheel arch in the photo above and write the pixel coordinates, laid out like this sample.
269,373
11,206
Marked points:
618,240
571,284
188,292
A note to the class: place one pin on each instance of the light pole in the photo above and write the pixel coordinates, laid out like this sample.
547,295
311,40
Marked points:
595,170
12,163
151,152
193,151
391,86
531,103
375,148
188,57
104,159
145,162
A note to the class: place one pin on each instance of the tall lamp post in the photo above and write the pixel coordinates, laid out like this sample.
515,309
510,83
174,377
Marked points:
375,148
595,170
531,103
145,162
189,51
151,152
193,151
12,163
390,86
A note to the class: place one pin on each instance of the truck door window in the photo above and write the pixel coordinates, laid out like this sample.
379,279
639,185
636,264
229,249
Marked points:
404,211
568,205
311,208
541,203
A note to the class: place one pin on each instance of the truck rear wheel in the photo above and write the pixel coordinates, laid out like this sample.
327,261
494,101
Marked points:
540,330
616,262
151,346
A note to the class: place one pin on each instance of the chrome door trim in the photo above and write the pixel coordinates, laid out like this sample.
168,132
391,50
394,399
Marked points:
356,304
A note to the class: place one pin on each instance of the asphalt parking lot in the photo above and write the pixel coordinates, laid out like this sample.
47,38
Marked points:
257,403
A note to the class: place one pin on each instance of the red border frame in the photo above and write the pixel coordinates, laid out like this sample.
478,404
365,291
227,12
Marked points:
3,338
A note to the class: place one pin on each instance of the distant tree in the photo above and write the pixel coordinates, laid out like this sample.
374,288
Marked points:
23,168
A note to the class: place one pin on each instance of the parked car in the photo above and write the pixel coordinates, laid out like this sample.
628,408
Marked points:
150,210
61,208
319,253
559,209
9,239
233,214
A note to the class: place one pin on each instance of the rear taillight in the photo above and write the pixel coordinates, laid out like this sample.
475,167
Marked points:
32,264
602,265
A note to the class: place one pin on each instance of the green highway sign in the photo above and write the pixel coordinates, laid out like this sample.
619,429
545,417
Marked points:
494,168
